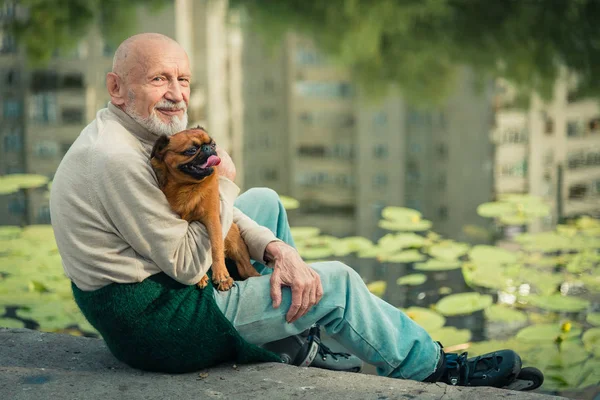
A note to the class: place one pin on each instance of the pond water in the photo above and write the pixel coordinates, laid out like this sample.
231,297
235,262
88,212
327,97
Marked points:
542,301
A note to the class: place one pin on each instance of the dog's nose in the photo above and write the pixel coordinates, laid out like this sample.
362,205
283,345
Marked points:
206,148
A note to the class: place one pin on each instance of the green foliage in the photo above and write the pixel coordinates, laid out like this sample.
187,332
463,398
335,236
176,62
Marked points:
417,45
48,26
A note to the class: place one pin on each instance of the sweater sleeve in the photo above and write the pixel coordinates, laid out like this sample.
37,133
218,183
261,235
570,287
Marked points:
138,211
256,236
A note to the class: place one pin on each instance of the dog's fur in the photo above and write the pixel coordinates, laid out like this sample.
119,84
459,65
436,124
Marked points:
193,193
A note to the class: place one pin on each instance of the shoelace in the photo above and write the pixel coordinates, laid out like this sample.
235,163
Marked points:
458,368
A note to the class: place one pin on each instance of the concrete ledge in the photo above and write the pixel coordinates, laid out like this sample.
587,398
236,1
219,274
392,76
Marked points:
36,365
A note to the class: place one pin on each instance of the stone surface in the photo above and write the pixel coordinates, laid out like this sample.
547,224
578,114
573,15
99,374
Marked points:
36,365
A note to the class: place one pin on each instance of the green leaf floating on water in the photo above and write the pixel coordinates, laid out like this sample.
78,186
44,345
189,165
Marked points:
408,226
9,232
23,181
426,318
546,333
313,253
288,203
400,214
304,232
11,323
493,277
412,280
499,313
377,288
394,242
450,336
557,302
492,255
448,250
593,319
463,303
437,265
591,341
495,209
406,256
351,244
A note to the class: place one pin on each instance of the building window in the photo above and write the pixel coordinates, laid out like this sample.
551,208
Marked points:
43,107
12,78
73,81
72,115
343,151
43,215
309,57
515,170
13,142
270,174
312,151
594,126
380,180
380,119
44,81
268,113
582,159
443,213
16,205
13,109
8,44
442,151
577,191
328,90
575,128
46,149
380,151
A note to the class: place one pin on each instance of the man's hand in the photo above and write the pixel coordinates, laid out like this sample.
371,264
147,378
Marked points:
226,168
290,270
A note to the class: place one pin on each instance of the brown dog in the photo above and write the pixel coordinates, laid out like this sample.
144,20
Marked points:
186,168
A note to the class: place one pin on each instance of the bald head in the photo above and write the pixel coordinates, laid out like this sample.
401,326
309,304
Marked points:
150,81
135,51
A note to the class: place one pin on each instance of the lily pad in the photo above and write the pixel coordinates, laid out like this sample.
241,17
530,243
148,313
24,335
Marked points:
377,288
450,336
394,242
437,265
546,333
24,181
557,302
463,303
448,250
11,323
495,209
351,244
9,232
303,232
500,313
591,341
408,226
492,255
288,203
593,319
400,214
407,256
314,253
426,318
490,278
412,280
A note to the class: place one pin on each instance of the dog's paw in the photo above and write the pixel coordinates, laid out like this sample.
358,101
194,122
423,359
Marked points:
203,282
223,282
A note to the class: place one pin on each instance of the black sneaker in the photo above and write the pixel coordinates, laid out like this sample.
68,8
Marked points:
307,350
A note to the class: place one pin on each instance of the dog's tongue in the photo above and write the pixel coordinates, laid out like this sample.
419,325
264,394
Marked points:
212,160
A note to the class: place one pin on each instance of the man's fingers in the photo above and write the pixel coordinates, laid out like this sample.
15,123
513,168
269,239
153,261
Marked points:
319,289
276,288
297,294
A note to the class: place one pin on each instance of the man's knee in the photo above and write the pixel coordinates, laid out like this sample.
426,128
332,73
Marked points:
337,272
264,196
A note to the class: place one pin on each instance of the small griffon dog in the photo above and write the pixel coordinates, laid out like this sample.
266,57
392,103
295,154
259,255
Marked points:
186,168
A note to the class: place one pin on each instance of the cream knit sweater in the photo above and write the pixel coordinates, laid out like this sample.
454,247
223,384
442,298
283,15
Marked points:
113,224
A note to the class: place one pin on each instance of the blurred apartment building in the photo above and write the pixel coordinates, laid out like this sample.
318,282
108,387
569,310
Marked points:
550,149
310,134
43,110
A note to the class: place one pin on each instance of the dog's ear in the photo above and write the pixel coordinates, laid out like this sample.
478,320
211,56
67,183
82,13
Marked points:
158,151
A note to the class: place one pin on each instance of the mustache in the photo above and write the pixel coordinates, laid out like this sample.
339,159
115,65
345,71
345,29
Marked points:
170,105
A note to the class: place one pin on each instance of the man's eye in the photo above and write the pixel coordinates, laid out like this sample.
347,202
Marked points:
191,151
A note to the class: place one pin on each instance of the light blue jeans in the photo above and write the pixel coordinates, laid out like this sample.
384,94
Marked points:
370,328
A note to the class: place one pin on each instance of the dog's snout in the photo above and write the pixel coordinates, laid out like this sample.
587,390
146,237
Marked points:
206,148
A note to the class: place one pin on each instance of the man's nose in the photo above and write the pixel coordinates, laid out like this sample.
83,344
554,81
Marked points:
174,93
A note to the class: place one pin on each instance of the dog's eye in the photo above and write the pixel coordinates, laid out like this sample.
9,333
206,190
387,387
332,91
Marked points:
191,151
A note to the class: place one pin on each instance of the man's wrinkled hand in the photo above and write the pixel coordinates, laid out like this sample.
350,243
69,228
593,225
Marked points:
226,168
290,270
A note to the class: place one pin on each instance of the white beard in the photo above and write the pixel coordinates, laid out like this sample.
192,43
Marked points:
153,122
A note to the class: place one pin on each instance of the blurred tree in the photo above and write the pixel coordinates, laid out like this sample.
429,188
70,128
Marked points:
46,26
418,44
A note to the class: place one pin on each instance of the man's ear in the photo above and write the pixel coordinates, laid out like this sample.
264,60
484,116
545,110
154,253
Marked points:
113,85
158,151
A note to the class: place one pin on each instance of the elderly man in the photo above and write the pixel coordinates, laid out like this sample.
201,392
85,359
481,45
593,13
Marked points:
134,263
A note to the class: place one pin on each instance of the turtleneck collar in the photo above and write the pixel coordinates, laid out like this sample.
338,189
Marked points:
132,125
